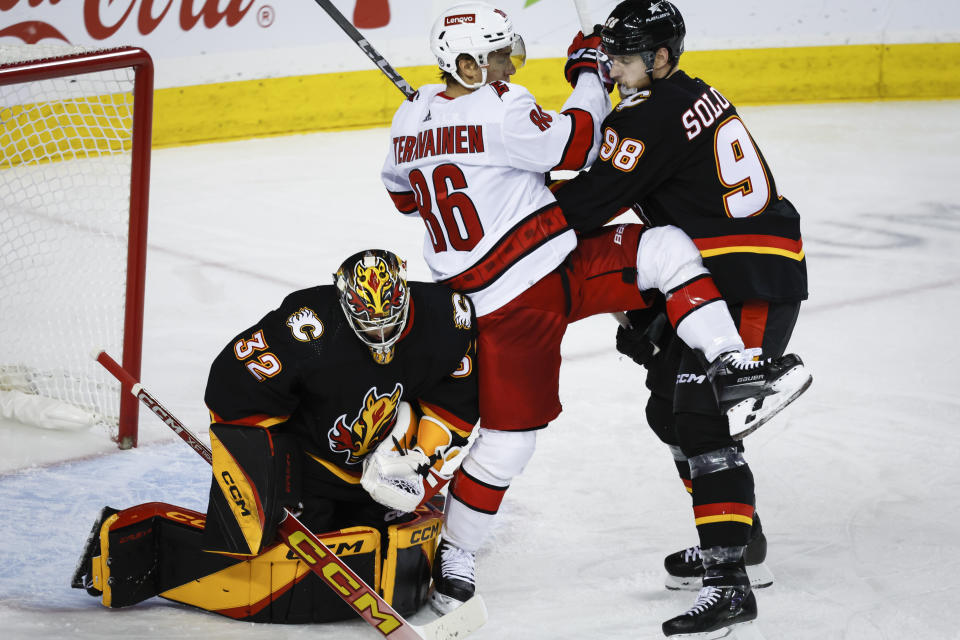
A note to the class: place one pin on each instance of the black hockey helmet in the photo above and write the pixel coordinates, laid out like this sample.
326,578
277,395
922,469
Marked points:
375,298
641,27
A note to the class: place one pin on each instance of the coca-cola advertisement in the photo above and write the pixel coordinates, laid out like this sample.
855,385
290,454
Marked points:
207,41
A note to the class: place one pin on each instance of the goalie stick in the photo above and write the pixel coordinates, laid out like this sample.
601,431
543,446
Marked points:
366,47
362,598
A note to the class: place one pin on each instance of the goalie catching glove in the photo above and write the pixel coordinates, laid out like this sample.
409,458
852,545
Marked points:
414,461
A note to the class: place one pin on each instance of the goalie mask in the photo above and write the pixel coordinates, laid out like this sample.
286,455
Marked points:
475,29
375,298
641,27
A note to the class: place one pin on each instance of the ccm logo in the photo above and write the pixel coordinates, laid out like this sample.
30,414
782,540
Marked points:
465,18
690,377
235,493
427,533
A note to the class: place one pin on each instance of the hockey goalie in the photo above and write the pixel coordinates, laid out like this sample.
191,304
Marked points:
348,405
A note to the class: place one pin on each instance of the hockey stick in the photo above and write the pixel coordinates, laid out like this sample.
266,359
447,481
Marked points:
586,26
366,47
363,599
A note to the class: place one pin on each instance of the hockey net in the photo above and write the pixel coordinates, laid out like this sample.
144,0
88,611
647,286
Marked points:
74,174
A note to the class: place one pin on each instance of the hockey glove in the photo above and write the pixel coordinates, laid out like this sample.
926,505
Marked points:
413,462
584,54
394,479
392,472
642,339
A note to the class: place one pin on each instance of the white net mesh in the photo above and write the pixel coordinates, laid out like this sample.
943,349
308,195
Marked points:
65,171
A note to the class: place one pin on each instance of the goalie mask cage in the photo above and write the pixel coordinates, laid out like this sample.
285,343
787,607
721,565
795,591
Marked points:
75,130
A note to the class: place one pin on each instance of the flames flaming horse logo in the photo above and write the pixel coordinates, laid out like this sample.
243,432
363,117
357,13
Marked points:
372,424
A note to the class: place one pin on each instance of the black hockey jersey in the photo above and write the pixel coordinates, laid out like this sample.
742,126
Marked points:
681,155
302,369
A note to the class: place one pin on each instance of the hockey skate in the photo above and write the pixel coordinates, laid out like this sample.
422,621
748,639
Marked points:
725,608
685,568
454,577
751,392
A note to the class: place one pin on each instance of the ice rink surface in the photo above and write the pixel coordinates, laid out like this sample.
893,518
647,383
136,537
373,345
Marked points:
857,482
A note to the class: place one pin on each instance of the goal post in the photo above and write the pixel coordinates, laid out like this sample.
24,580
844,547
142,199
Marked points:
75,136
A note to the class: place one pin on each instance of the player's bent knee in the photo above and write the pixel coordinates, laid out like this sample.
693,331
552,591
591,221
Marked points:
666,258
499,456
659,411
700,433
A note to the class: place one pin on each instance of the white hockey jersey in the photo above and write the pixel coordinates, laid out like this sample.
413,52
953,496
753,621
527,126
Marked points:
473,168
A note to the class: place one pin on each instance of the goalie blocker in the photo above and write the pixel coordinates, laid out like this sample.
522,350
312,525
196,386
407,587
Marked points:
155,549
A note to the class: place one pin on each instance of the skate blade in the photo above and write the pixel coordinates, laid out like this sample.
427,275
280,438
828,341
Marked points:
760,578
740,631
745,418
674,583
441,604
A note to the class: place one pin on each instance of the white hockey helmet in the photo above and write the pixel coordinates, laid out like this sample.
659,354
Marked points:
475,29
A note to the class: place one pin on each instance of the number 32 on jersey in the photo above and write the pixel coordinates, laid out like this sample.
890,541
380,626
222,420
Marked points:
266,365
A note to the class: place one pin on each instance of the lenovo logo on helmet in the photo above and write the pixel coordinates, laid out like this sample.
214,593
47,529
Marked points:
463,18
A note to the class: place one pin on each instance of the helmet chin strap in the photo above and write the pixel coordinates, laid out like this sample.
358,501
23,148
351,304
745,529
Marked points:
651,71
465,85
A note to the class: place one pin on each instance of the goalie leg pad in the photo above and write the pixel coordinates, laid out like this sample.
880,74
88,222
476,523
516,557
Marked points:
154,549
83,577
122,558
276,586
256,473
408,559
